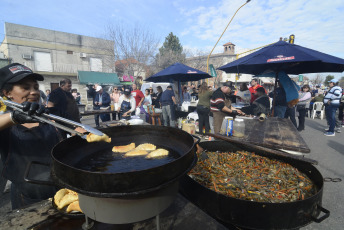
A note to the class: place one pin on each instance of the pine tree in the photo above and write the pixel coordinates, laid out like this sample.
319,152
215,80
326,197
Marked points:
170,52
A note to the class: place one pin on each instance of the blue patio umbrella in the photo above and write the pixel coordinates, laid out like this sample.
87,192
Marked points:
283,56
180,73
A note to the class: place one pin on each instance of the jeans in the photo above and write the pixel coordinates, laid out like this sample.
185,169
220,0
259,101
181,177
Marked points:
168,113
280,111
302,116
290,112
330,111
337,122
203,118
96,117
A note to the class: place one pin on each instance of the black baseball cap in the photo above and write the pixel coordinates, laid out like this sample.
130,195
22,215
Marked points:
228,84
127,91
15,72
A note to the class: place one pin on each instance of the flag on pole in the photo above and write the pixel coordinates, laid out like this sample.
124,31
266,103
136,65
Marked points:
212,70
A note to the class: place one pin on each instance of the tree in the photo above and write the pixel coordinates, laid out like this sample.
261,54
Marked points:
170,52
317,80
327,79
341,82
134,48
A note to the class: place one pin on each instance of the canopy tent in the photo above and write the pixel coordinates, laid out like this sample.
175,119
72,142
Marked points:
90,78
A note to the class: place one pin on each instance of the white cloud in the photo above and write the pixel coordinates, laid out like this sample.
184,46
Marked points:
317,24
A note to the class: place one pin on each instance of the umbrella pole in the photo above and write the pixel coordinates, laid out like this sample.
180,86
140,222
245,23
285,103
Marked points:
180,92
273,100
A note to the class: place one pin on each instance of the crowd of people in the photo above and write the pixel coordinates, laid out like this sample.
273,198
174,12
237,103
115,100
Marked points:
23,139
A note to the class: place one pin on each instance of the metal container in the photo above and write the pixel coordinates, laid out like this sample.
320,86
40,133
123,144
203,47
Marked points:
257,215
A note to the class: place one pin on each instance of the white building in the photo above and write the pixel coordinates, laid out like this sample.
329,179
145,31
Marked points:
57,55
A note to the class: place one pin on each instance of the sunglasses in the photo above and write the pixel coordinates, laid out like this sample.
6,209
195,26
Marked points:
115,89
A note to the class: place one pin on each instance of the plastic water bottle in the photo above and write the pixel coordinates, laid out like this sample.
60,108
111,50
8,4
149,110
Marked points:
239,127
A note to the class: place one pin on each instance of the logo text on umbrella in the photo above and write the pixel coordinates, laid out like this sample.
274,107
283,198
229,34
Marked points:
280,58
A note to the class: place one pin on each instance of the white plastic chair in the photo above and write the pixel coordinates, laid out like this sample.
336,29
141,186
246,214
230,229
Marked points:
193,116
318,107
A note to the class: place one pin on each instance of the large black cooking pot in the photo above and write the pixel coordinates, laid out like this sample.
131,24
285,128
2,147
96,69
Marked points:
256,215
68,153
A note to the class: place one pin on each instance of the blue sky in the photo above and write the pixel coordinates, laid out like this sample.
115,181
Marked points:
317,24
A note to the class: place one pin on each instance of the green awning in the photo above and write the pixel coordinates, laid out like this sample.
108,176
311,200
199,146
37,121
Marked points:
89,78
126,83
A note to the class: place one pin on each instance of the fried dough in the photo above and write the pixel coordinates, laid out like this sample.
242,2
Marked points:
95,138
123,148
159,153
146,147
67,199
59,195
73,207
135,152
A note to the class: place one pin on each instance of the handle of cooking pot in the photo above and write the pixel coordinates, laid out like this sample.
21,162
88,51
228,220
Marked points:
325,216
34,181
196,137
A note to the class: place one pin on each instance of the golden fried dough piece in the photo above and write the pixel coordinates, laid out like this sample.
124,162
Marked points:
159,153
146,146
135,152
72,192
73,207
95,138
67,199
123,148
59,195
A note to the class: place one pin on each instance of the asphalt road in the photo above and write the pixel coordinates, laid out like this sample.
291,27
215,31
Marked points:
328,151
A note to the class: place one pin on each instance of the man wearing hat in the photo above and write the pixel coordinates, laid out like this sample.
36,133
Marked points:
62,99
101,102
220,105
331,102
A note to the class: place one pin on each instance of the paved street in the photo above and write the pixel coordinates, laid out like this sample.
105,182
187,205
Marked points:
329,151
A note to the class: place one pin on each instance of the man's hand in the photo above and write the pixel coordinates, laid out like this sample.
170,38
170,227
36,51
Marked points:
30,109
99,103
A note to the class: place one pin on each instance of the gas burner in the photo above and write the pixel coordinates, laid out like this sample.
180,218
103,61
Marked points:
127,210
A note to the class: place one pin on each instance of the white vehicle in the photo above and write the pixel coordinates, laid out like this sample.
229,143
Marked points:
154,85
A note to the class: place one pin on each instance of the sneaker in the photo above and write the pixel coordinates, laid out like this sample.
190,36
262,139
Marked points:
327,128
329,134
338,130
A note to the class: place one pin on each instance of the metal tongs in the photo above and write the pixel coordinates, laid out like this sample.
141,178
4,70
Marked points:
47,118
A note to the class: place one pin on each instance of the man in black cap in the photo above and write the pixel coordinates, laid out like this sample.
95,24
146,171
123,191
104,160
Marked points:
221,106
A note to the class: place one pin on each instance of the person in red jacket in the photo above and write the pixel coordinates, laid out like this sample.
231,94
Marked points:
253,89
138,95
